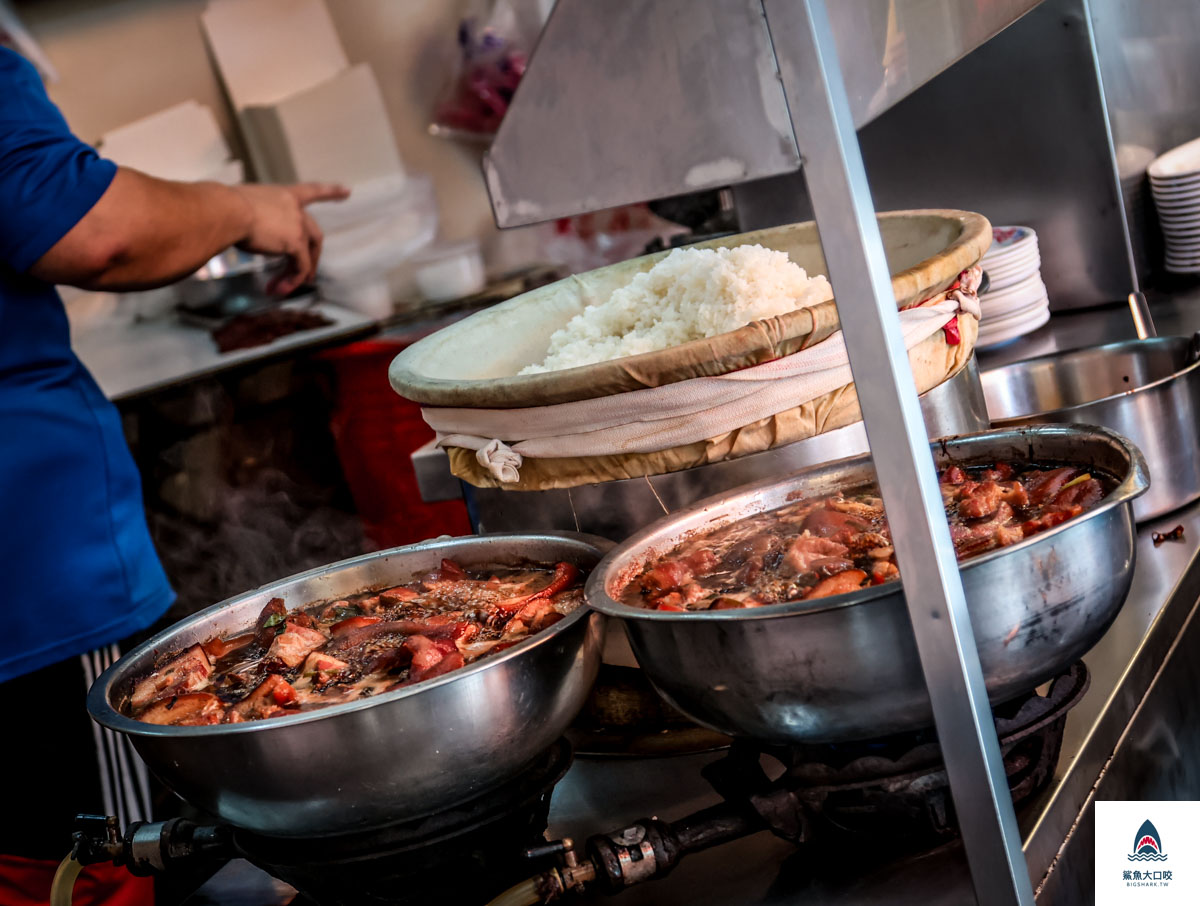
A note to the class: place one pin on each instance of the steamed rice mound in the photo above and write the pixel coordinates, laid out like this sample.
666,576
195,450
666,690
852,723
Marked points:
688,295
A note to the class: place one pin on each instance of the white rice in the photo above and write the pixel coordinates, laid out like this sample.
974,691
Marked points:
690,294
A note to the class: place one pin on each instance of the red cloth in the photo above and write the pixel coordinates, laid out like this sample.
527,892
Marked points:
26,882
375,430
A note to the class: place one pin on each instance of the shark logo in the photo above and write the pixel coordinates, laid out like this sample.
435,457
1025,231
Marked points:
1147,845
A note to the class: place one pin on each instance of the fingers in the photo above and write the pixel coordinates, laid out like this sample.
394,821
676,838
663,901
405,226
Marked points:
299,236
300,268
302,263
284,284
316,242
308,192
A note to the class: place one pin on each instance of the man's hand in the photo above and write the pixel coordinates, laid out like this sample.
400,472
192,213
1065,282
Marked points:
146,232
279,225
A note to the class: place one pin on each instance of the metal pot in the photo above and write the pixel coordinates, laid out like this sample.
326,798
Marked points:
231,283
616,509
397,756
846,667
1141,388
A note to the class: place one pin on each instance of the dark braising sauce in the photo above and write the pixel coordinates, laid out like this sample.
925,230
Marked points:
355,647
839,542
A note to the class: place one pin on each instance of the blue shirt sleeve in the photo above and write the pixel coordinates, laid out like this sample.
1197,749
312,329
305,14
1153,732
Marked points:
49,179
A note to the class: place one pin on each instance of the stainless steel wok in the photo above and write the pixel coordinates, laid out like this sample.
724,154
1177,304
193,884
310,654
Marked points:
846,667
394,757
1148,390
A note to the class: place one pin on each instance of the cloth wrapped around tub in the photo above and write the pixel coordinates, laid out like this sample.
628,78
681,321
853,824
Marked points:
770,383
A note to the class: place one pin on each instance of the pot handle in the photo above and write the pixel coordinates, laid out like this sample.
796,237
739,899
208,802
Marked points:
1140,309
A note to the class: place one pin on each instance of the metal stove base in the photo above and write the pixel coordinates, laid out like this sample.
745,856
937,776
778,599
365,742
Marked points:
466,854
890,794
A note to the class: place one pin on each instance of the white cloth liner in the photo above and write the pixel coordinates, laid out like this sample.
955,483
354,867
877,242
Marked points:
685,412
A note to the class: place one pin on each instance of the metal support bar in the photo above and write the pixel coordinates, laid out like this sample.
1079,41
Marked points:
821,119
1139,308
1086,11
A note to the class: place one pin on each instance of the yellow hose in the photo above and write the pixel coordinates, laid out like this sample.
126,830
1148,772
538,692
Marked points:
523,894
64,881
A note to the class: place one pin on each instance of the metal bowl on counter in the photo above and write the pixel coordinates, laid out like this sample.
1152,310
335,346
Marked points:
231,283
1148,390
396,756
846,667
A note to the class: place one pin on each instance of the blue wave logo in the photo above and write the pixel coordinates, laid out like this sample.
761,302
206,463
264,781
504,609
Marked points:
1147,845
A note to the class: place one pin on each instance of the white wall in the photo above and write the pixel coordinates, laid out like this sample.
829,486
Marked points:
123,59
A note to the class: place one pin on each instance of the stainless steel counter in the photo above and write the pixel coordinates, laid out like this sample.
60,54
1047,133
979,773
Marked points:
599,795
1175,312
129,359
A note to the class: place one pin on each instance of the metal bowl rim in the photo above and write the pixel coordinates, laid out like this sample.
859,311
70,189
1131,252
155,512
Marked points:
249,263
105,714
1014,420
1131,486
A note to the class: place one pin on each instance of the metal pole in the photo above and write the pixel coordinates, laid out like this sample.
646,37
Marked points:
1139,308
833,168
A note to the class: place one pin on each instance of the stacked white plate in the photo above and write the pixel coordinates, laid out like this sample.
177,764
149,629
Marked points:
1175,184
1016,302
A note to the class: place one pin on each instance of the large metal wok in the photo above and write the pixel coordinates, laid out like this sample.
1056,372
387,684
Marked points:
846,667
1148,390
389,758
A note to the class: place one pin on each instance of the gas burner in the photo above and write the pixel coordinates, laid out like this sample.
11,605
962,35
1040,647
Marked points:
464,854
898,785
885,793
624,716
888,791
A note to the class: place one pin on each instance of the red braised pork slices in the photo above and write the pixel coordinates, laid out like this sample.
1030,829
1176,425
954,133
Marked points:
351,648
841,542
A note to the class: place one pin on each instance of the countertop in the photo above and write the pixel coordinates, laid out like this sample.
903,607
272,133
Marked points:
130,358
137,344
1176,312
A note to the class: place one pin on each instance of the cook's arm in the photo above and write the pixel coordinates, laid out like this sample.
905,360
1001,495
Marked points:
146,232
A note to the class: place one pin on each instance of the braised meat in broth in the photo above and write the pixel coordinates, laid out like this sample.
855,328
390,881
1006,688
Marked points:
834,543
351,648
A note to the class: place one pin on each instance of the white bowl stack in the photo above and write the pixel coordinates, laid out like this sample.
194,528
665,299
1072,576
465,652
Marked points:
1175,184
1016,302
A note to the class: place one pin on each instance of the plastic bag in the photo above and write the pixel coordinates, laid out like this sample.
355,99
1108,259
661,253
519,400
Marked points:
588,241
495,39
